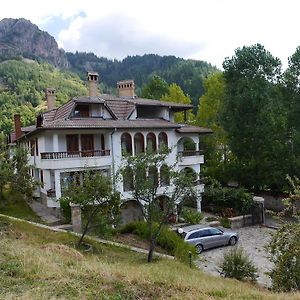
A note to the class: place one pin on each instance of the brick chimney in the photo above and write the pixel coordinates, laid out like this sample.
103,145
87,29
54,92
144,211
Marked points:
18,131
126,88
50,97
92,79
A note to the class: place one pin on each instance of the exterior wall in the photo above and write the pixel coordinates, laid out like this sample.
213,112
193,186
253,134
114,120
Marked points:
53,169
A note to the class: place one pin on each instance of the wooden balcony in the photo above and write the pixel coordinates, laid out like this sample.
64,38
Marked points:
74,154
190,153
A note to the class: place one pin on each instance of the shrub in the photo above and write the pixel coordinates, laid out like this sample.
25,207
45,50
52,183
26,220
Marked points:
65,209
284,249
190,216
225,223
167,239
236,264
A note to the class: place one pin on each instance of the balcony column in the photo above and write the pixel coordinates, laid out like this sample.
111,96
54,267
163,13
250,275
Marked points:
55,142
199,199
197,146
132,144
57,184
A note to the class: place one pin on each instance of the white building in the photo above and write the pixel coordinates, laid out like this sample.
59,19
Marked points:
91,132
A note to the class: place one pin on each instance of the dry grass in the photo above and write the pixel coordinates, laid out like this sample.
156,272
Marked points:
38,264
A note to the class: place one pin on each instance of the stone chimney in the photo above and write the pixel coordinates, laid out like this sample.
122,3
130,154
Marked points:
18,130
50,97
92,79
126,88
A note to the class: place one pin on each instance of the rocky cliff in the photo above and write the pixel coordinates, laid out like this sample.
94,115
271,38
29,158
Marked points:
19,37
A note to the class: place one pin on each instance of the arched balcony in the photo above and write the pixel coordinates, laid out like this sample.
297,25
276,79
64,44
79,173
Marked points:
187,147
139,145
126,144
151,142
162,140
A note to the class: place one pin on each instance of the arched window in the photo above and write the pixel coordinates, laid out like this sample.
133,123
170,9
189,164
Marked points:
127,179
139,146
162,140
126,144
191,174
153,176
164,175
151,142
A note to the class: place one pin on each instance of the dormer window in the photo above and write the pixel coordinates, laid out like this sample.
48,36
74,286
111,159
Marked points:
82,111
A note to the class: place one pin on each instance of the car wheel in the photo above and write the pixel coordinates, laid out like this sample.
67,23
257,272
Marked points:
232,241
199,248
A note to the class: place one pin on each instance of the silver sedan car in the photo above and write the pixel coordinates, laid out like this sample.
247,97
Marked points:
204,237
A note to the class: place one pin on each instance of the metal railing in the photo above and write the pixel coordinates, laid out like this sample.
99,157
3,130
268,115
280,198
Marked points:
72,154
190,153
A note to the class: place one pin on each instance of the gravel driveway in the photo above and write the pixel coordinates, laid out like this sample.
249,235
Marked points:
252,240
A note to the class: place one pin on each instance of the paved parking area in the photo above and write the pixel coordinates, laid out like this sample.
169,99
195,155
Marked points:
252,240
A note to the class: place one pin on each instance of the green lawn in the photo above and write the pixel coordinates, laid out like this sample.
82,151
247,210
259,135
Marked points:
15,206
36,263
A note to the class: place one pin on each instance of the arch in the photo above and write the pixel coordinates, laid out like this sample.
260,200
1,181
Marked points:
153,176
151,142
139,145
164,175
131,211
127,179
126,143
186,146
162,140
191,173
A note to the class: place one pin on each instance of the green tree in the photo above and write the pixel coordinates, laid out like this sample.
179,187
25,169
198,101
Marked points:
96,198
176,94
284,250
155,88
21,180
254,118
217,154
291,97
141,172
5,167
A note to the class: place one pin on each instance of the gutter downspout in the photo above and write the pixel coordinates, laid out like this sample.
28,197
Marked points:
112,158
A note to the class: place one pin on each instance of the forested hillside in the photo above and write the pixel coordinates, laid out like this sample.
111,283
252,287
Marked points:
188,74
22,85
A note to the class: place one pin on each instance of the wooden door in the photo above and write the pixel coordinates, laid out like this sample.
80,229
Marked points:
87,145
72,144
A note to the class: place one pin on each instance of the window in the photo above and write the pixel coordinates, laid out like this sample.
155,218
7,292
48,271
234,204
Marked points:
162,140
215,231
42,176
128,180
151,142
72,143
36,147
126,144
82,111
153,176
32,146
138,143
102,142
164,175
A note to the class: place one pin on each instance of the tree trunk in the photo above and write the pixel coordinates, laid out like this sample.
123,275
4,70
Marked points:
151,250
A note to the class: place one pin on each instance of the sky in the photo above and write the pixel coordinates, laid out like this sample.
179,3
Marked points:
208,30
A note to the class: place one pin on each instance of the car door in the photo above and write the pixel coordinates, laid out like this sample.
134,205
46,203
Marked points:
216,237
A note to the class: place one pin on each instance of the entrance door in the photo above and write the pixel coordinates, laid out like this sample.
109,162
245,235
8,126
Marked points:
87,145
72,145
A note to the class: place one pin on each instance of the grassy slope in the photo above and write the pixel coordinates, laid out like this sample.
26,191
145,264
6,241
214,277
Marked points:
18,208
38,264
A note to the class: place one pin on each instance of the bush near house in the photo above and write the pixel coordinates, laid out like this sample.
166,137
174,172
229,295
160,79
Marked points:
218,199
191,216
167,239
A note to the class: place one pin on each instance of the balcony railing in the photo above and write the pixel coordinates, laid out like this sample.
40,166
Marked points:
74,154
190,153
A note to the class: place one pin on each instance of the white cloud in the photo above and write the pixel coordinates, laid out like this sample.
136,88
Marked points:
203,29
